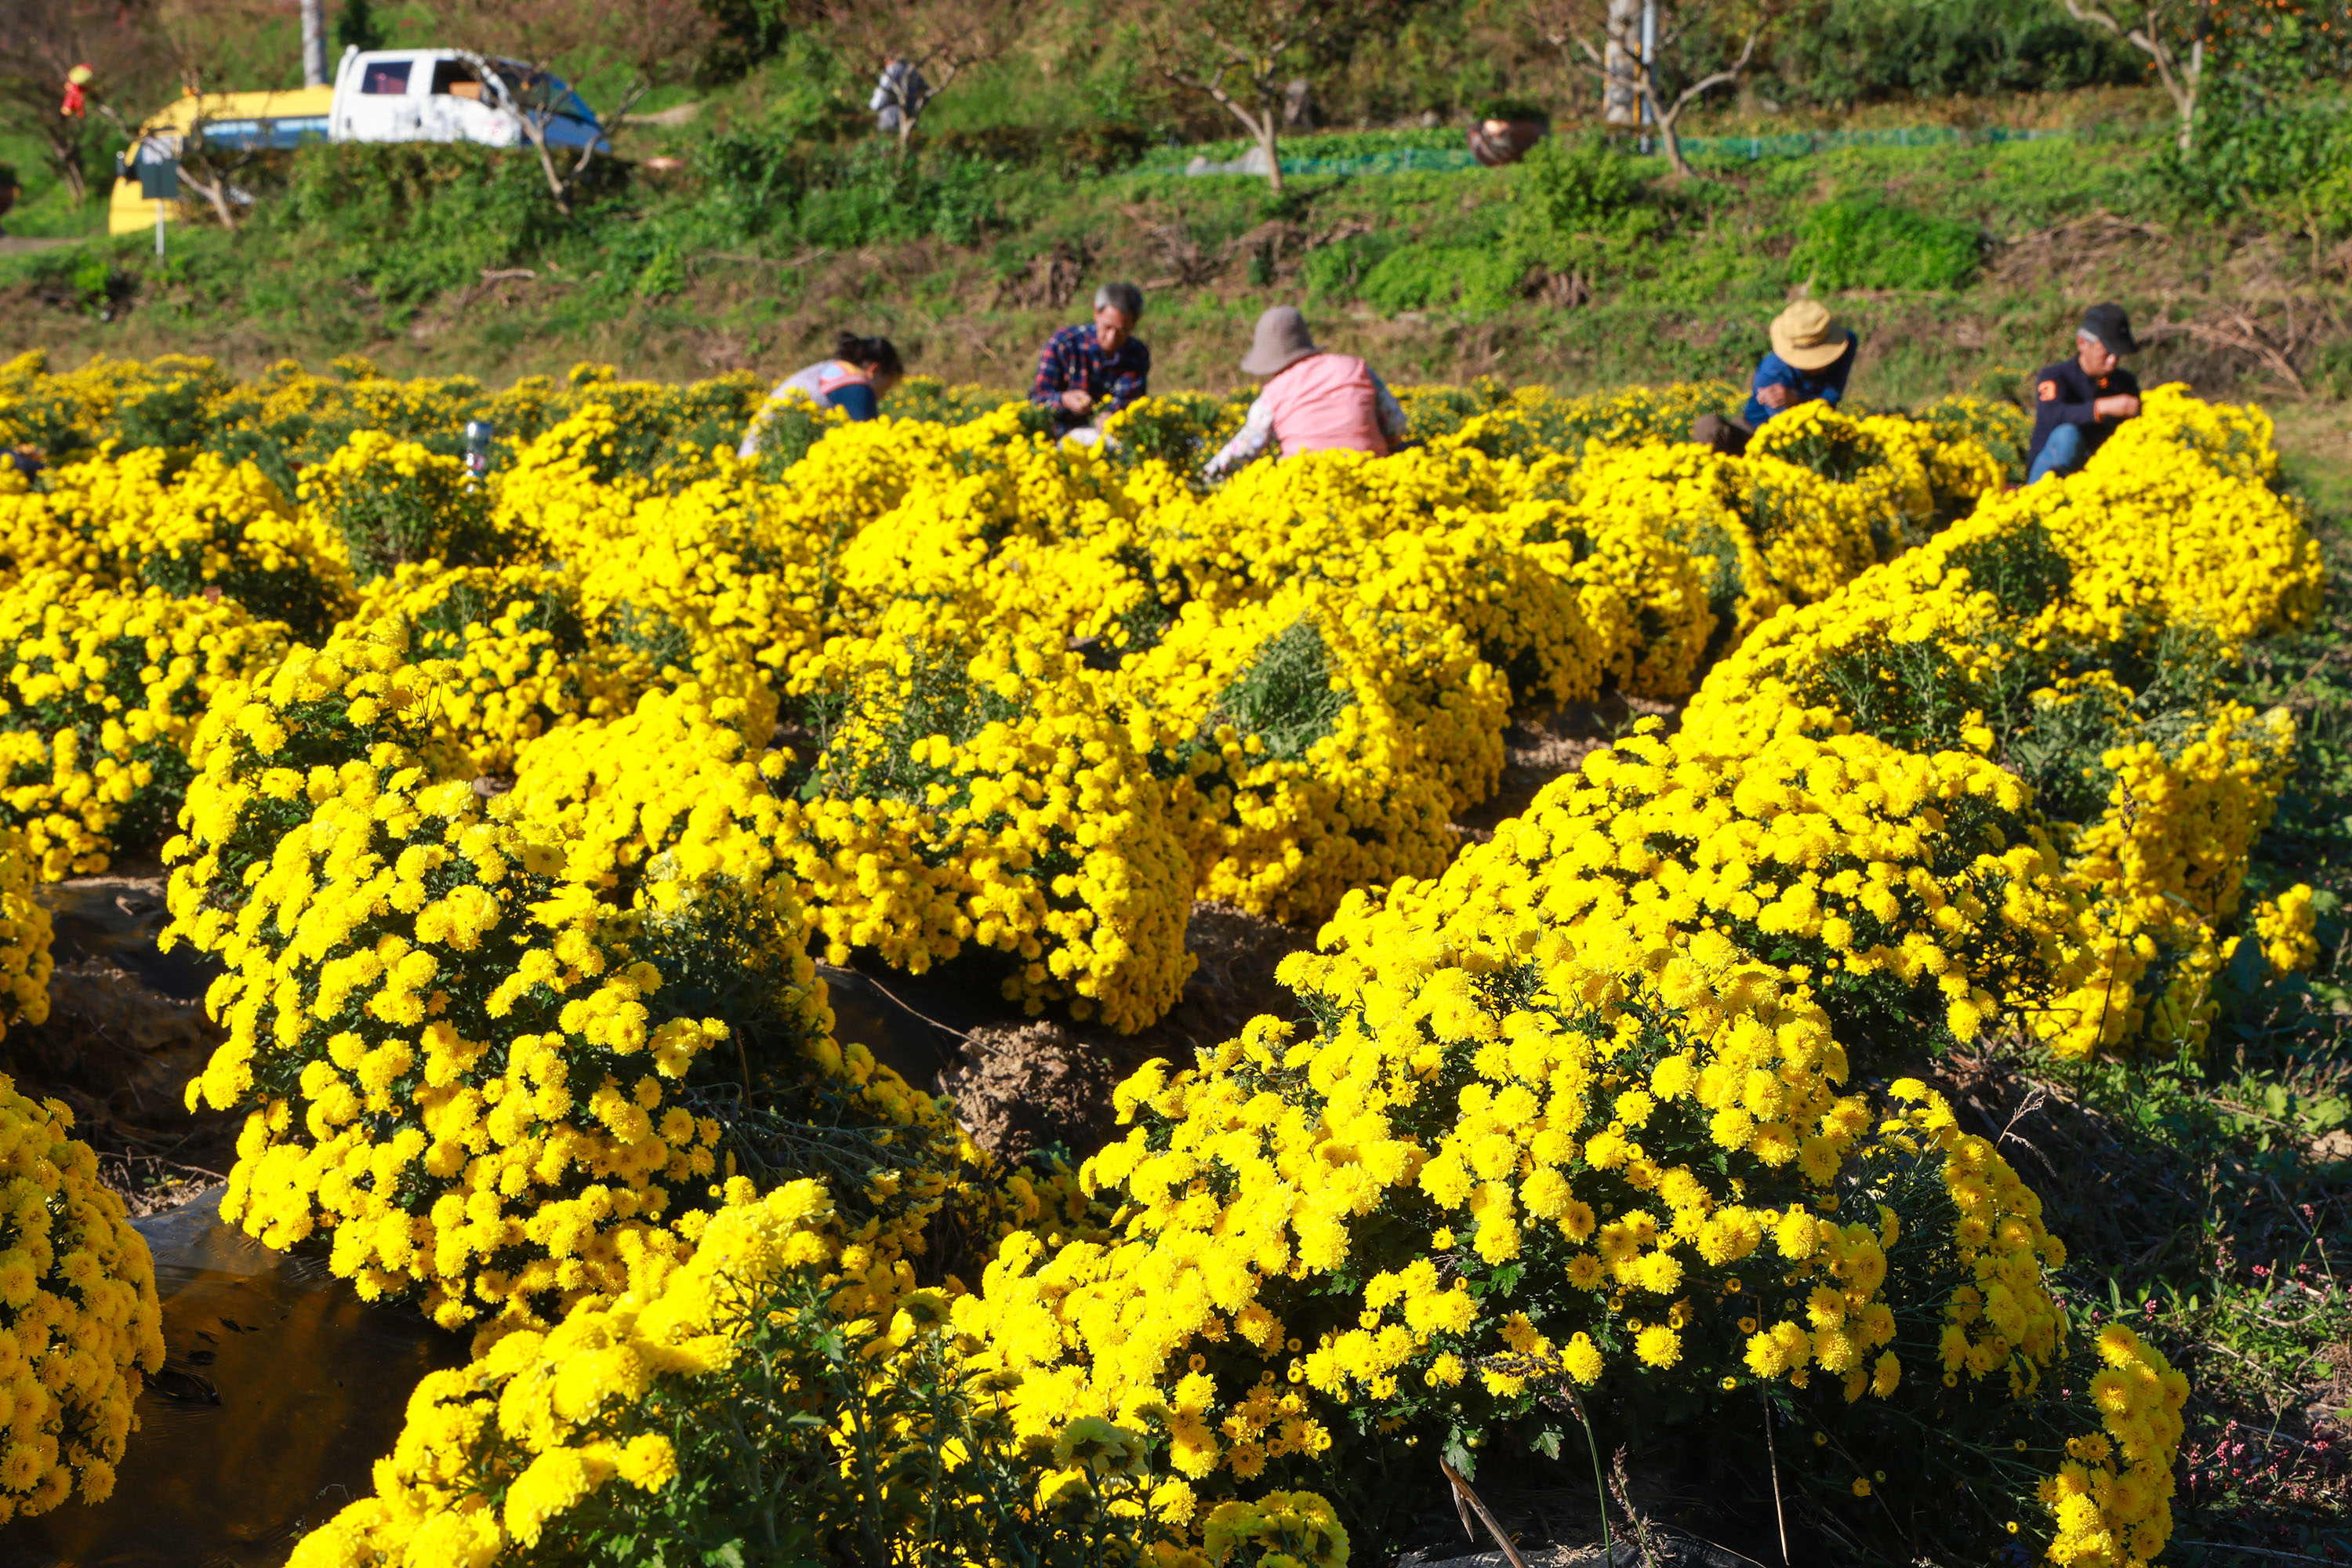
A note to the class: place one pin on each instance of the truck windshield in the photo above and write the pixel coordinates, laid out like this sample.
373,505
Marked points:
538,93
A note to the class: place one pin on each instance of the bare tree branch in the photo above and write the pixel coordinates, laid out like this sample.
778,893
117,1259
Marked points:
46,39
2180,78
1665,116
1241,54
1601,31
655,42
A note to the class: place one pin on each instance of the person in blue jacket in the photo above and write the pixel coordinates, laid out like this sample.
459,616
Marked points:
1811,360
2078,403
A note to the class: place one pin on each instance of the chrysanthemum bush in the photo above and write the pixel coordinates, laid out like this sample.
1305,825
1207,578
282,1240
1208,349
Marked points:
393,502
1522,1171
103,691
25,934
212,528
723,1408
79,1327
494,1085
288,418
2075,632
971,794
1311,747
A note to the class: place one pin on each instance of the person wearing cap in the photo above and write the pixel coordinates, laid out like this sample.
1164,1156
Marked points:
1097,368
1312,400
1811,360
2079,401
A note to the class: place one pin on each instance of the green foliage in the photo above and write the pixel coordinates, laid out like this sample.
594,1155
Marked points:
1848,243
1583,186
1864,51
410,219
411,518
357,27
2022,568
175,411
1483,278
1512,109
2255,156
793,178
1288,695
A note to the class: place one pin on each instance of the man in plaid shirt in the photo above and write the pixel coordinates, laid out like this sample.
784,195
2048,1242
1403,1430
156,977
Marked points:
1089,370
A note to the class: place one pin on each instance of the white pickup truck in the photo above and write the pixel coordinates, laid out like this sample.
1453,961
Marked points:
378,95
448,95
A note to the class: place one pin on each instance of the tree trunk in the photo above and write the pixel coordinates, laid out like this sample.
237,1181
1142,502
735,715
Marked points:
1621,66
1265,140
314,43
65,156
214,191
555,187
1670,143
2187,99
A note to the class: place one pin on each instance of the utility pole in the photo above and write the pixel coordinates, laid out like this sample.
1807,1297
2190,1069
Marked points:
314,43
1649,64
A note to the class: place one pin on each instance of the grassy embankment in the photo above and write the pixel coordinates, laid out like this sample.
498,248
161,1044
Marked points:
1435,275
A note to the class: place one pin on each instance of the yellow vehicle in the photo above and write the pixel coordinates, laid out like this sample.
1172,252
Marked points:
229,120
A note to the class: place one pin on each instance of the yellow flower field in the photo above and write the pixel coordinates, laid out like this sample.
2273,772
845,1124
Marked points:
519,811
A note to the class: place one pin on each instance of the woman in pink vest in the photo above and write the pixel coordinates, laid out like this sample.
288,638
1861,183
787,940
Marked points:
1312,401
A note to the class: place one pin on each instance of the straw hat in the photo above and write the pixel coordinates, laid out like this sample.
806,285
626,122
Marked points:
1806,337
1282,341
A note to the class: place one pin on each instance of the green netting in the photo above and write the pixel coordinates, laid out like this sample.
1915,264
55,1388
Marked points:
1225,159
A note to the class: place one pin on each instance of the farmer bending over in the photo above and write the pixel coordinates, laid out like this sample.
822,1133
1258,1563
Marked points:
1098,368
1312,400
853,380
2079,401
1811,360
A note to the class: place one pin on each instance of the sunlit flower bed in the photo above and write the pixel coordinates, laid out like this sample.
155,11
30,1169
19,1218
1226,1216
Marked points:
518,812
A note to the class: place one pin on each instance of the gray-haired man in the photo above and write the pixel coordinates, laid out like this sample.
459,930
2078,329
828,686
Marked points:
1099,367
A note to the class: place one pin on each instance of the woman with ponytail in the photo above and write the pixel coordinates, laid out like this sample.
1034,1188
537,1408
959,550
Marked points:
853,380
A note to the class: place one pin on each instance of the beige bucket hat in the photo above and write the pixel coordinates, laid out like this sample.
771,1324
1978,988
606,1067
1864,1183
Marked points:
1807,336
1282,341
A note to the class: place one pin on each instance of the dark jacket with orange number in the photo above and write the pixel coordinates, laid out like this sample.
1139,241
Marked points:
2063,394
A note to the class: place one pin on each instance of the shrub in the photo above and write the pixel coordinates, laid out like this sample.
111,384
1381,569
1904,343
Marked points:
503,1137
410,219
212,528
1579,185
1312,745
970,793
1522,1162
722,1407
79,1327
1860,243
103,696
1478,278
514,657
25,931
394,504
